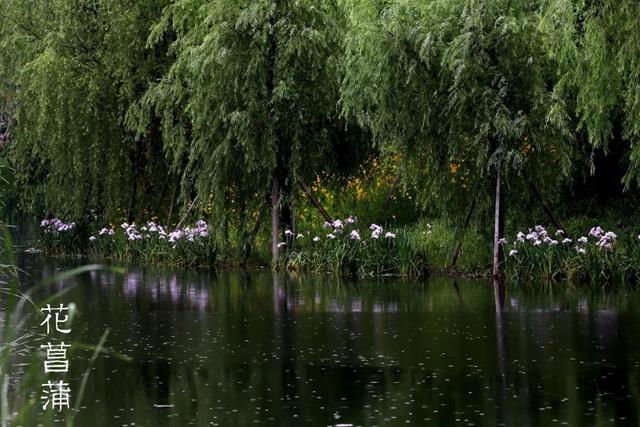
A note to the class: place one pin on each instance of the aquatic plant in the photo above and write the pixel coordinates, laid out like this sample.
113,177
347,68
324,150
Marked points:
349,249
59,234
150,242
600,256
340,246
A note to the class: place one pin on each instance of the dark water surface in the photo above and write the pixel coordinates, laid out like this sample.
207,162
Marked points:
255,348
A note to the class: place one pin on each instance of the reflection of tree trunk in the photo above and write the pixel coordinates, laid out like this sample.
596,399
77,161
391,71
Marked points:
499,296
456,289
498,227
498,289
285,324
277,296
462,232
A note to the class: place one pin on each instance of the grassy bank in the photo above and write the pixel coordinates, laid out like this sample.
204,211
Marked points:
344,246
577,255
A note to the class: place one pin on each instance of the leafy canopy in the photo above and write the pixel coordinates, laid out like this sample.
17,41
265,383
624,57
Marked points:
457,87
254,85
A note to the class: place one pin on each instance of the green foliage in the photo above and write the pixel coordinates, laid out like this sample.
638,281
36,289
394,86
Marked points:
437,238
457,87
253,87
609,74
367,194
113,108
598,44
80,66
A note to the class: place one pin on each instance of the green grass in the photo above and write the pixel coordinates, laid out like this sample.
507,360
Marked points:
417,250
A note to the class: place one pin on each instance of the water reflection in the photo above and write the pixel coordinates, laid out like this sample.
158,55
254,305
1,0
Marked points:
240,348
501,358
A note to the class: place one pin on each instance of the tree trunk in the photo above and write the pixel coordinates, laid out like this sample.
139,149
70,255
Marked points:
275,217
545,206
286,210
248,244
315,201
278,175
173,201
498,227
135,157
392,190
134,196
161,196
186,214
463,231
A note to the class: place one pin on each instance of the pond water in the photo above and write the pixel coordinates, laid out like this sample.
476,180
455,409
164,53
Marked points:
256,348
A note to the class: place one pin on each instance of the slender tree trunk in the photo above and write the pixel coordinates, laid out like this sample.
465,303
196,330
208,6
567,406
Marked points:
286,210
275,217
463,231
173,201
225,232
248,244
242,220
162,191
498,227
277,175
186,214
135,157
392,190
134,195
242,217
546,207
456,289
315,201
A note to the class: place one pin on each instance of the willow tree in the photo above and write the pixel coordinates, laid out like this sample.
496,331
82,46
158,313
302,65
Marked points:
463,89
605,72
251,97
80,65
21,30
